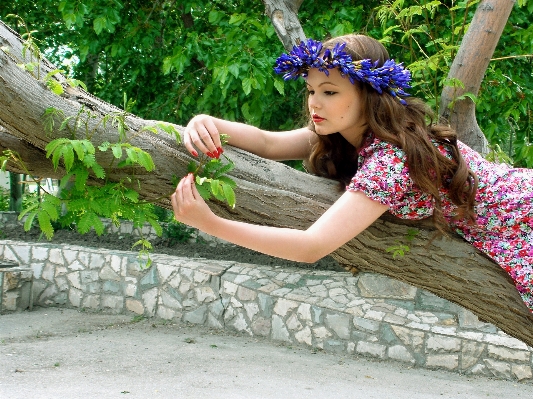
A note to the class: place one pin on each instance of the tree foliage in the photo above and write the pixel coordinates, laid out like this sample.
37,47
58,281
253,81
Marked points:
178,59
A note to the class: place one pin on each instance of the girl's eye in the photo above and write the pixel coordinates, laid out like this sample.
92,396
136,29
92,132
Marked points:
330,93
310,92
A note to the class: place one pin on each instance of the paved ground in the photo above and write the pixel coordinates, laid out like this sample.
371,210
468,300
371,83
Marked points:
53,353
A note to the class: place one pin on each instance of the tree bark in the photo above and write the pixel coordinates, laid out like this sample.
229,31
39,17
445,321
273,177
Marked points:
268,193
469,67
284,17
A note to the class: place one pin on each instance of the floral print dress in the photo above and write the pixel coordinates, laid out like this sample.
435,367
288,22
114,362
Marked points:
504,205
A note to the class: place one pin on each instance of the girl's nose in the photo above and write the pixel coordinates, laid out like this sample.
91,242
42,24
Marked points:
313,103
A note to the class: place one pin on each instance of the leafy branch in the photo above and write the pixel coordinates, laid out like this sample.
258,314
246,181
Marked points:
400,249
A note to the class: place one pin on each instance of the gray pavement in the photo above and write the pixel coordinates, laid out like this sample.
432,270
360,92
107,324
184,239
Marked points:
59,353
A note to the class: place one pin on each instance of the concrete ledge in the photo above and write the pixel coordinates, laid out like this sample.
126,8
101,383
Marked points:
366,315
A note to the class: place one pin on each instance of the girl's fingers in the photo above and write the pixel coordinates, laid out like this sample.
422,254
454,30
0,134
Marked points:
202,133
214,134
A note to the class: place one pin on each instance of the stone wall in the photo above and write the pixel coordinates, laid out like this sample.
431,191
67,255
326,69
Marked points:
366,315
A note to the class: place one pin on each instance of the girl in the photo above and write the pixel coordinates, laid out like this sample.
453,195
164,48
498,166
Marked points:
365,132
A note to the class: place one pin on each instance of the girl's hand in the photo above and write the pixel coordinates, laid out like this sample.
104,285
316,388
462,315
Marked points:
189,207
202,132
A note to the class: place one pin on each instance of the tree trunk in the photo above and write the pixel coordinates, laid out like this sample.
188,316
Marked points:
268,193
469,67
284,17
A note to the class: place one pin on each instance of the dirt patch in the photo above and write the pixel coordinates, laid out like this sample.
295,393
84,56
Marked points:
124,242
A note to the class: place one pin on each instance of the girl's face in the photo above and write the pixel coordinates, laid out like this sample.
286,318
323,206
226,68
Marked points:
335,105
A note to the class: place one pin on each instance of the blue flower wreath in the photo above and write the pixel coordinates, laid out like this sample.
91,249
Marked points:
392,78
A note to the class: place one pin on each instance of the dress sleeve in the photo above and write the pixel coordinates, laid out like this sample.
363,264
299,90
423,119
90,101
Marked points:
383,176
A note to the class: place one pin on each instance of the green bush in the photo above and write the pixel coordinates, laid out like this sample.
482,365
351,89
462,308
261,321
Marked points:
4,200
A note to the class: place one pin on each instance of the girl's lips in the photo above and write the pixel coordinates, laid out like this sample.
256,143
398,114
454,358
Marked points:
317,118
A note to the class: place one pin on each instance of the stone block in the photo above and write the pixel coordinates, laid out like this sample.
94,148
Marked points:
251,309
443,361
440,343
75,297
74,280
169,300
197,316
321,333
293,324
304,336
506,354
505,340
16,287
378,286
521,372
339,323
107,273
70,256
371,349
498,369
39,254
366,325
166,313
204,294
334,346
470,353
150,301
401,354
240,323
279,330
150,279
91,302
284,306
22,252
246,294
262,326
114,303
112,287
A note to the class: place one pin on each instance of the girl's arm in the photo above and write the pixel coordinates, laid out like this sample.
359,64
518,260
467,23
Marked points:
352,213
203,132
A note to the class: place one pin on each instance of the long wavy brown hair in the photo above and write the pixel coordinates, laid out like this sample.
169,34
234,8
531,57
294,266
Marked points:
411,127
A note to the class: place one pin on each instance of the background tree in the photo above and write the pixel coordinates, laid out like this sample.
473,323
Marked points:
286,197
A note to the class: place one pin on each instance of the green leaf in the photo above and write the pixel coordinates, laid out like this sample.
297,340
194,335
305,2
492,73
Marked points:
215,188
280,86
75,83
98,171
132,195
229,194
203,191
82,175
228,181
77,146
52,145
68,157
191,167
99,24
104,146
86,222
224,169
45,225
50,209
117,150
234,70
55,86
247,85
28,223
145,160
